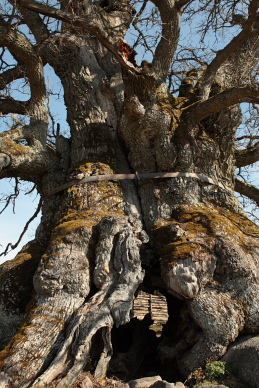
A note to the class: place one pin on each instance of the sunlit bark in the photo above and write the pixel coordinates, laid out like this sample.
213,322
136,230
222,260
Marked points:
99,241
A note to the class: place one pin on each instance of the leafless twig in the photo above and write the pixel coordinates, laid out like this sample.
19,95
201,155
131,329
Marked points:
13,246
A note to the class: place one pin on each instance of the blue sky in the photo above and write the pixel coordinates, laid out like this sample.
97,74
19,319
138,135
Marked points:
12,224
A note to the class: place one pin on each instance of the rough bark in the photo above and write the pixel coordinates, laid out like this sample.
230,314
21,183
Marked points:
90,249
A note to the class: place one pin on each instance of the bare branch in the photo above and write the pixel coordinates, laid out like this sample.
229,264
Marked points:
170,17
12,197
247,156
10,105
12,74
13,246
24,51
135,25
94,25
221,101
250,137
51,11
181,3
248,190
247,32
35,23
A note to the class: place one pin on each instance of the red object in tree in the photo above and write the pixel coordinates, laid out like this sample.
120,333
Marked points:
129,52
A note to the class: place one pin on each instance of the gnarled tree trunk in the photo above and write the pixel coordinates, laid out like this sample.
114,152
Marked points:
95,239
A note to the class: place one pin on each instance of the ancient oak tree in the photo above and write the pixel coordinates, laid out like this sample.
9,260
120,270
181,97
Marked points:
100,242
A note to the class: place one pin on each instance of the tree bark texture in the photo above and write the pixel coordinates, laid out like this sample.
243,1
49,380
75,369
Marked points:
80,275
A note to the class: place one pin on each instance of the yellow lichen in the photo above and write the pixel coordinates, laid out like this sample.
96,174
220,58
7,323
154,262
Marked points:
13,148
200,226
31,251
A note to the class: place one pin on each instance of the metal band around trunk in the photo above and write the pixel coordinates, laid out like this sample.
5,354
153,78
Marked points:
138,176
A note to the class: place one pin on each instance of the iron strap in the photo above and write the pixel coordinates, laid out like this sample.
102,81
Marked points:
138,176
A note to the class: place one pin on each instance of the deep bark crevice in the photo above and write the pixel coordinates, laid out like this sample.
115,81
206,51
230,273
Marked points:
135,350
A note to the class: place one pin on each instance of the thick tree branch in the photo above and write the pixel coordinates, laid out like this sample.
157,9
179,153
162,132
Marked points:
12,74
53,12
221,101
239,68
248,190
33,21
35,24
247,32
10,105
23,155
24,51
247,156
92,24
170,17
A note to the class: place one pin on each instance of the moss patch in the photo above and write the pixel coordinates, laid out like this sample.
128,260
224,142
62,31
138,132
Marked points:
216,373
10,147
196,228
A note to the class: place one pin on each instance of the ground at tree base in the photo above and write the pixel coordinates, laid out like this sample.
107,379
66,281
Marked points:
95,240
197,380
